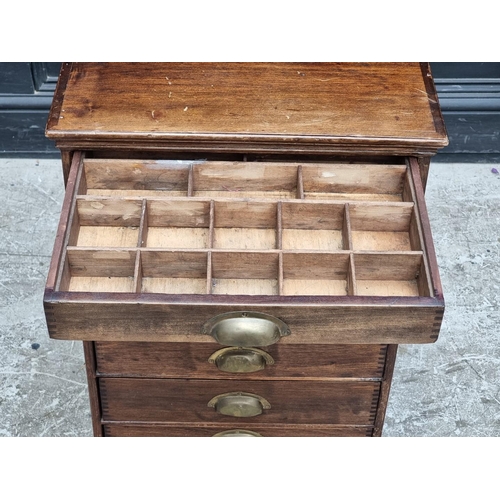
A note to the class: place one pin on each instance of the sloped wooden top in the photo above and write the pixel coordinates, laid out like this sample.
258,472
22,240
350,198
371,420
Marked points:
254,106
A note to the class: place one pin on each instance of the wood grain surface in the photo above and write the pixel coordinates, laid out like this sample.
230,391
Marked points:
185,359
350,320
137,234
209,430
252,105
186,400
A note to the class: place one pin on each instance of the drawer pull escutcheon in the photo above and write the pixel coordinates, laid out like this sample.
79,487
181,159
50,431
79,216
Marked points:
245,329
237,433
240,359
239,404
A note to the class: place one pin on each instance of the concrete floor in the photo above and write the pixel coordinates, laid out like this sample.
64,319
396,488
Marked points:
451,388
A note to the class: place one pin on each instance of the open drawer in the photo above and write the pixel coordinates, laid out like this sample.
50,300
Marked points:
151,250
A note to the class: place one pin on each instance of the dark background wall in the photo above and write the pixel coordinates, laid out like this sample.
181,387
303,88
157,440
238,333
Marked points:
469,94
26,91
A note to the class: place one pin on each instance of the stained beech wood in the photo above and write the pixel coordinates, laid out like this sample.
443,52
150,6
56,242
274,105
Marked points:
276,188
208,430
71,225
315,274
159,264
356,179
178,213
108,236
312,106
244,179
103,284
157,175
63,230
331,320
144,225
109,212
388,274
244,265
94,397
104,270
313,226
190,360
186,400
385,388
352,286
177,237
300,183
101,262
137,274
384,227
251,179
245,238
425,229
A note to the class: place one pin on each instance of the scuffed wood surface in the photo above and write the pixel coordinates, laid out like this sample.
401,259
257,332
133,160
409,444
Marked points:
248,103
177,430
323,322
185,359
297,402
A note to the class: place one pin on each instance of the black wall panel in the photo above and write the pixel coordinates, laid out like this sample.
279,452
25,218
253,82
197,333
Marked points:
26,91
469,94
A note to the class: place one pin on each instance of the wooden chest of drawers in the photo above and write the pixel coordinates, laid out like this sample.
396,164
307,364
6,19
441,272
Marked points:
237,267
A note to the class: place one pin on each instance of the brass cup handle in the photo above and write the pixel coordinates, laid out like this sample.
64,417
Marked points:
237,433
245,329
240,359
239,404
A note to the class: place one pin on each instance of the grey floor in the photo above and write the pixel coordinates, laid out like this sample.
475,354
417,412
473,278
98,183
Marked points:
451,388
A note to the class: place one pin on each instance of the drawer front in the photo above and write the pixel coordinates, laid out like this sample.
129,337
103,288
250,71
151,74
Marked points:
295,402
354,322
191,360
123,430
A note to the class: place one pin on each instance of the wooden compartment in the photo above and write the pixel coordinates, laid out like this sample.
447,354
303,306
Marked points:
136,178
91,270
186,240
179,223
354,181
316,274
172,272
244,273
314,226
246,225
389,274
107,222
244,180
383,227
